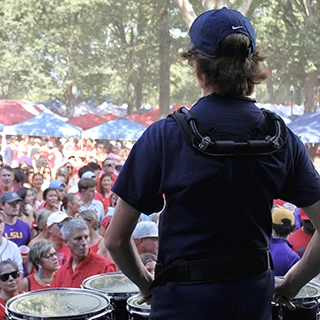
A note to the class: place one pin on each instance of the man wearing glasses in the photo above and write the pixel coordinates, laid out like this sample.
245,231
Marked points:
54,224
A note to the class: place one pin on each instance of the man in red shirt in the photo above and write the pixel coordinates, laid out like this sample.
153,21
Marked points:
301,237
83,263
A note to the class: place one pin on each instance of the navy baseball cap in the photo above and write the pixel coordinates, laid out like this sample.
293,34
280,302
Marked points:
9,197
211,27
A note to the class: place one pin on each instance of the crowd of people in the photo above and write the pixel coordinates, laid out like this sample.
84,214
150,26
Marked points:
53,225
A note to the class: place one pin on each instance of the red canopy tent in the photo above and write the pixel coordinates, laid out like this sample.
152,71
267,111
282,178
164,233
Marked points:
17,111
146,118
87,121
109,116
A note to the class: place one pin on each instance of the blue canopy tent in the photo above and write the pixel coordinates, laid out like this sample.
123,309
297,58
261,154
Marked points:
118,129
307,127
44,124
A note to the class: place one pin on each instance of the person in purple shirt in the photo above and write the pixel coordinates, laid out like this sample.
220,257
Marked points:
281,250
15,229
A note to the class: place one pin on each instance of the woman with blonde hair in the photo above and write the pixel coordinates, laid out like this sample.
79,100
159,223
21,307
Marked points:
91,218
43,256
41,227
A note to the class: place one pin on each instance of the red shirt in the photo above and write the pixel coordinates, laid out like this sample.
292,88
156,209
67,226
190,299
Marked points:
91,265
34,285
299,240
64,254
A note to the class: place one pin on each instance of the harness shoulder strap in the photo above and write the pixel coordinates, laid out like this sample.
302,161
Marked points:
257,142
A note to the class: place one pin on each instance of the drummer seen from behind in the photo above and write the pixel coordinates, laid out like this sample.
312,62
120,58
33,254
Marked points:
83,263
212,250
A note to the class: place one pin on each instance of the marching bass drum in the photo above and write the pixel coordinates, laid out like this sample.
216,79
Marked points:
117,287
60,303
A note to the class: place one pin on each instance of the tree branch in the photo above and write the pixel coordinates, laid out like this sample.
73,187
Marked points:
187,11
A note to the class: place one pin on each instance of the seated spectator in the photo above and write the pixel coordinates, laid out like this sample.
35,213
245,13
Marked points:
8,249
281,250
301,237
83,263
43,257
9,284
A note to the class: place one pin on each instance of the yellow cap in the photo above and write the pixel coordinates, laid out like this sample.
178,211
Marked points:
281,213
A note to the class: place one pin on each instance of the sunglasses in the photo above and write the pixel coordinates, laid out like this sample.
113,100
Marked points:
5,277
109,165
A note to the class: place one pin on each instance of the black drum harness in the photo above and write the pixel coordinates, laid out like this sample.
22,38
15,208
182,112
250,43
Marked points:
235,265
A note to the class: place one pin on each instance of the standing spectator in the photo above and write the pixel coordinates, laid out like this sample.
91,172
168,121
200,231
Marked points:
71,203
60,187
8,152
301,237
108,166
83,263
55,222
8,249
41,227
91,219
145,236
15,229
6,176
50,200
37,182
47,176
27,206
105,190
9,284
149,260
44,259
281,250
87,189
19,178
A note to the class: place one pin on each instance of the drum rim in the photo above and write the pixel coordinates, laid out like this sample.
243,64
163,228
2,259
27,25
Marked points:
131,307
108,307
309,298
114,294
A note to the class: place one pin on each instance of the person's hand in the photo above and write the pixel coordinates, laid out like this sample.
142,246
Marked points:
282,292
144,299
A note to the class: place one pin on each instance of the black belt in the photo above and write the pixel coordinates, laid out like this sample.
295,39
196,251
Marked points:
216,269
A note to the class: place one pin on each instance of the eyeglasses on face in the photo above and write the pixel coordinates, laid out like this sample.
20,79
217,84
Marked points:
50,256
5,277
109,165
69,167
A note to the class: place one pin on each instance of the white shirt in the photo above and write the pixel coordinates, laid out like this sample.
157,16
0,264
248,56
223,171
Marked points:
10,251
96,206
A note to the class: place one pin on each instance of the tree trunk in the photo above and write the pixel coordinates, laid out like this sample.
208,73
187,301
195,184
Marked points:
310,92
164,56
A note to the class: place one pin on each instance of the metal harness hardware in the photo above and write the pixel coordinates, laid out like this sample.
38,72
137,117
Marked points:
254,143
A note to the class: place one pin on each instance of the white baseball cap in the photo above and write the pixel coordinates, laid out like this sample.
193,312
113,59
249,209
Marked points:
57,217
145,229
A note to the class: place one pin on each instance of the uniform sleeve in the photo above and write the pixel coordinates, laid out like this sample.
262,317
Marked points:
139,180
302,186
